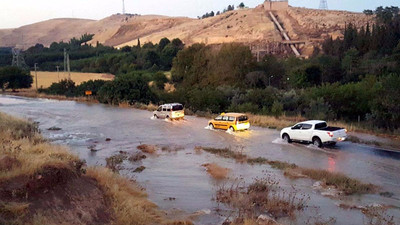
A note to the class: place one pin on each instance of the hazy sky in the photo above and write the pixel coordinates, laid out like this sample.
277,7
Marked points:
16,13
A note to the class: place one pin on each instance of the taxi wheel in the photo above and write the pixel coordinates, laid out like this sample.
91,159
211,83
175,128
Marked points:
211,126
231,129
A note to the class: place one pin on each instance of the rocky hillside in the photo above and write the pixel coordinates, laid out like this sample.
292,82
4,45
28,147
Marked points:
249,26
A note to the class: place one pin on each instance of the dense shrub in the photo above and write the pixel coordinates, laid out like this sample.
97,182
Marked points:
64,87
91,85
131,88
14,77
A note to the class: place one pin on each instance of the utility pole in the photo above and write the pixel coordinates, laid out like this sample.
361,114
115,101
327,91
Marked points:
58,73
269,80
123,7
36,76
65,61
69,68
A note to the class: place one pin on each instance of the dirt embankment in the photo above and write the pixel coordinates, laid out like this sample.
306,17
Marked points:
41,183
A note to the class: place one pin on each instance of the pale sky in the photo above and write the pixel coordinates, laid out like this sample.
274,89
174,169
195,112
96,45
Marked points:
16,13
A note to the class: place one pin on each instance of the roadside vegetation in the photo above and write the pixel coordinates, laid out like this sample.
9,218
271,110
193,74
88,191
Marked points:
42,183
261,202
340,181
353,80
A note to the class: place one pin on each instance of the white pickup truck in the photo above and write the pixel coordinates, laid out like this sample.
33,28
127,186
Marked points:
314,131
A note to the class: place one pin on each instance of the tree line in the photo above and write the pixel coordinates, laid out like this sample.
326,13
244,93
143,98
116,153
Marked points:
227,9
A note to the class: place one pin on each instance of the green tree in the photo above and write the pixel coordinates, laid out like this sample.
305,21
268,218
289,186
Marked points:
350,64
163,42
64,87
277,109
386,104
14,77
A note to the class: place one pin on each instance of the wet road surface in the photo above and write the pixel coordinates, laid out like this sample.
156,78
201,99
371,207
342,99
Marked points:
179,174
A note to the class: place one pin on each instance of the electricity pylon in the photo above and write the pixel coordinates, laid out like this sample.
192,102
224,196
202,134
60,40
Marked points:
323,4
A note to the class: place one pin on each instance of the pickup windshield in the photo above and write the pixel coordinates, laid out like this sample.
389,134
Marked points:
320,125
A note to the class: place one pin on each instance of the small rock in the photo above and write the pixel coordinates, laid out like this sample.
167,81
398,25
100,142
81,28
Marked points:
92,148
139,169
169,199
54,128
108,139
317,185
265,219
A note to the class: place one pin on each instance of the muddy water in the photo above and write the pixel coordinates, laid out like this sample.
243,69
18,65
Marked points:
176,181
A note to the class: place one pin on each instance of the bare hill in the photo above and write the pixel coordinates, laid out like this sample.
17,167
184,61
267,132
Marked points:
249,26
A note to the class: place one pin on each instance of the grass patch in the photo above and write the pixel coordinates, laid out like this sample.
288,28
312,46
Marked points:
340,181
136,157
226,153
217,172
128,202
114,162
150,149
263,195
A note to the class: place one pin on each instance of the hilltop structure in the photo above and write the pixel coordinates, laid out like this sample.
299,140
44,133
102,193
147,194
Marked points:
276,5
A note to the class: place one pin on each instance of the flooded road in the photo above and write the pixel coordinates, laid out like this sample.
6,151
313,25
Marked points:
176,181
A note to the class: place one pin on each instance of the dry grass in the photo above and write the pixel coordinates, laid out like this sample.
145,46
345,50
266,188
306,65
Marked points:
30,93
274,122
114,162
216,171
17,128
21,142
150,149
128,201
136,157
226,153
340,181
45,79
377,216
263,195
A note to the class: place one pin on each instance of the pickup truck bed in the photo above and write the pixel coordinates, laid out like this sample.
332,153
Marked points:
329,128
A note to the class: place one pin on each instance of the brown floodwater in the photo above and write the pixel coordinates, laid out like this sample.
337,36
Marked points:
176,181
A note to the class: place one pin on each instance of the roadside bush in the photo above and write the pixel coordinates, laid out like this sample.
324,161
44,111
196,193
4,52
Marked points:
129,88
64,87
159,80
207,99
386,104
14,77
277,109
319,110
91,85
244,108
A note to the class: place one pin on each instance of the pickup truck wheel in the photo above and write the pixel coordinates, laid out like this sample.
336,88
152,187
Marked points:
286,138
155,116
317,142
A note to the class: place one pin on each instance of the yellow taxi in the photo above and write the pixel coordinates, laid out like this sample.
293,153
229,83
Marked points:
230,121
